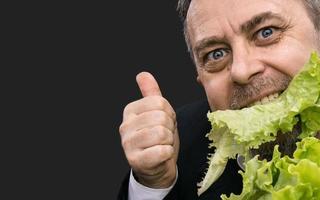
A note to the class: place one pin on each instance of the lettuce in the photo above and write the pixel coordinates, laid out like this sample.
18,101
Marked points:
283,178
234,132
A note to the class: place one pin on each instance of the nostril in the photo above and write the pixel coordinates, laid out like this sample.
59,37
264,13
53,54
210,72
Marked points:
243,73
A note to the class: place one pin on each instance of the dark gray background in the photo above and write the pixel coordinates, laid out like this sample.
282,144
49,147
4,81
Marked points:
81,60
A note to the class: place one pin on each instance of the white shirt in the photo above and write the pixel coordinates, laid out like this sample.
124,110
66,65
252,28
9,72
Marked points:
137,191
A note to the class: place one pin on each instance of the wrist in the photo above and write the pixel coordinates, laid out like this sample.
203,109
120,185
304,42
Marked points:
157,181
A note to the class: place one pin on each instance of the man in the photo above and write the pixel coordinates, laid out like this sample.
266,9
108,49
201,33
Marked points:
244,52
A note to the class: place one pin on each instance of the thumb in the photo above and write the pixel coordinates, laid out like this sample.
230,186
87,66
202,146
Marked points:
148,84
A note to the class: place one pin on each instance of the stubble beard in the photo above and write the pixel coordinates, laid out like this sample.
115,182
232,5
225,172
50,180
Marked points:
243,93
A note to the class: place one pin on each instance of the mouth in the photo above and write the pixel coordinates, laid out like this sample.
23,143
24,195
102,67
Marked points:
264,100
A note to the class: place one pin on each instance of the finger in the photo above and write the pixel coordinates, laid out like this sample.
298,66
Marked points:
148,120
154,156
148,84
146,138
146,104
158,169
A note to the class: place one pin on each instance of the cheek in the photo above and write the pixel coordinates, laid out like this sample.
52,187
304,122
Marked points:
294,48
217,89
289,58
299,52
293,61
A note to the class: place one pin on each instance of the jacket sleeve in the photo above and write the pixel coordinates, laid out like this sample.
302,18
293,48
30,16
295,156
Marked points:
123,192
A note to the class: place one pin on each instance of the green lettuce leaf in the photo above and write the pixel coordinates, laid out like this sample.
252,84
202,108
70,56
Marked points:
283,178
234,132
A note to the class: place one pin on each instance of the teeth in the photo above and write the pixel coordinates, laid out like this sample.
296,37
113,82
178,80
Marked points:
265,99
256,103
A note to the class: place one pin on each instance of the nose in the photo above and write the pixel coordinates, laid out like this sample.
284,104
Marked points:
245,66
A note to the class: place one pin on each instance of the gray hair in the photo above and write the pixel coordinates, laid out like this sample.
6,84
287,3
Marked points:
312,6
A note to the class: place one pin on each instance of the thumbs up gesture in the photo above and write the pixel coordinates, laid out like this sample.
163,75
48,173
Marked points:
149,135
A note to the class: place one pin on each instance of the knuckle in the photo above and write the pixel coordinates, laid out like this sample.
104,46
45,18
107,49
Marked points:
125,143
170,151
133,160
166,151
170,139
160,116
130,108
160,102
161,133
127,108
144,132
123,127
174,115
165,105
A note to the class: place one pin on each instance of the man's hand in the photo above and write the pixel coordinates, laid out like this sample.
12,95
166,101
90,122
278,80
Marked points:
149,135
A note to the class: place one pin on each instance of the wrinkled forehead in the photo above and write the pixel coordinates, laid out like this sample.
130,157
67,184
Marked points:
202,10
207,17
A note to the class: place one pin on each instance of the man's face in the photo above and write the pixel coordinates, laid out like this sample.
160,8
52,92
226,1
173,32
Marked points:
248,50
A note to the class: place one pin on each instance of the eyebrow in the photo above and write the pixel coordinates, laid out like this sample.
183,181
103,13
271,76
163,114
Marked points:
206,42
246,27
259,19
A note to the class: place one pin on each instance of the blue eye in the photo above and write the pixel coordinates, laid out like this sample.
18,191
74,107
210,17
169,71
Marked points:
268,35
217,54
265,33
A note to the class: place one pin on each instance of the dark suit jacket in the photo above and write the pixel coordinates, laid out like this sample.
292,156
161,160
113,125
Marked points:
192,162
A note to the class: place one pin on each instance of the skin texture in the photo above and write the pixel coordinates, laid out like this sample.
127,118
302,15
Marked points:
149,135
238,63
251,66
